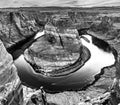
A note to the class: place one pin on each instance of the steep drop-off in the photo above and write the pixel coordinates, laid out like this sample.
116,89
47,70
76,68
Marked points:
11,92
20,23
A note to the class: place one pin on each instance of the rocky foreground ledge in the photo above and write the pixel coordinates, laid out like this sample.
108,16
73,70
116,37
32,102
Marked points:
11,92
19,24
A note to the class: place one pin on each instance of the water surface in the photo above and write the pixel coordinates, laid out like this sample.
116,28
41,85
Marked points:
100,57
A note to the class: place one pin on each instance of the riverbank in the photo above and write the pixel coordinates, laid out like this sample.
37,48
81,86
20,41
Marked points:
18,24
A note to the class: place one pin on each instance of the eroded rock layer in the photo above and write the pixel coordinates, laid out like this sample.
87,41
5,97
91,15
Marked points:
104,23
48,53
10,85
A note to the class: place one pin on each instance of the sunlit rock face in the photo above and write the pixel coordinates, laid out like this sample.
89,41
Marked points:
91,68
15,27
53,62
54,50
18,24
9,80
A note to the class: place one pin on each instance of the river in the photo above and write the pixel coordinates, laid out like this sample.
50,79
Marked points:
100,58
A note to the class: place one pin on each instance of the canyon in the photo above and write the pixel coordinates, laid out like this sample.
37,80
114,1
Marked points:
19,25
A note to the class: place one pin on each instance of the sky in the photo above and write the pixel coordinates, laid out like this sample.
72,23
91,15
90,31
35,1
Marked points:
70,3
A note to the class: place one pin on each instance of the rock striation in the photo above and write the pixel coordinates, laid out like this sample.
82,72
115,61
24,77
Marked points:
50,53
10,86
20,23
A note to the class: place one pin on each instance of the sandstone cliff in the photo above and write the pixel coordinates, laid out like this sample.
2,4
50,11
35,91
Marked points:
10,86
19,24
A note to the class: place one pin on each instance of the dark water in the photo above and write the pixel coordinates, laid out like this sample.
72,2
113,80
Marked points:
17,49
100,57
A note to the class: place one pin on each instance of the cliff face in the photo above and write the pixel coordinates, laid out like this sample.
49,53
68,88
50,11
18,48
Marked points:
10,85
18,24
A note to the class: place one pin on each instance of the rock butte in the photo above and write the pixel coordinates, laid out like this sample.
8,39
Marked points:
20,23
67,80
